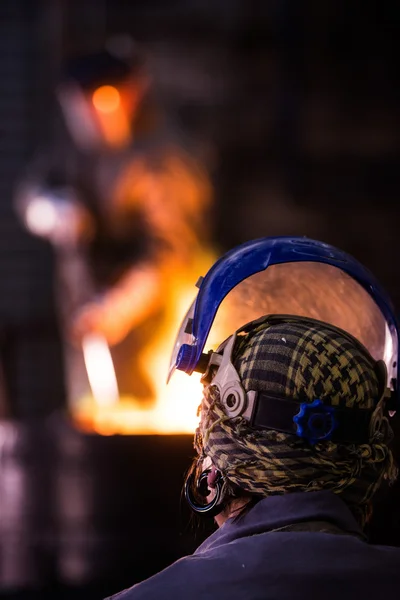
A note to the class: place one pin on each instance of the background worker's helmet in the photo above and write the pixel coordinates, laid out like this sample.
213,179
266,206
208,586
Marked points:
100,93
292,277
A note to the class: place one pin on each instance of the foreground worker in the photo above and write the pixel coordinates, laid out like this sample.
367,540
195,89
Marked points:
294,435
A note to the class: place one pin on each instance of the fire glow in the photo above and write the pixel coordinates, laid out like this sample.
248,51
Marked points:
175,408
100,370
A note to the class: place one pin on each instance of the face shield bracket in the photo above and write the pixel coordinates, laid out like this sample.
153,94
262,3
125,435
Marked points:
233,396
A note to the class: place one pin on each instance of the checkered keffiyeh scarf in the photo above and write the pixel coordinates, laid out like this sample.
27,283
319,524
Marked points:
302,360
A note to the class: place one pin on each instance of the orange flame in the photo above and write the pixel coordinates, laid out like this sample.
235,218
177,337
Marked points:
175,410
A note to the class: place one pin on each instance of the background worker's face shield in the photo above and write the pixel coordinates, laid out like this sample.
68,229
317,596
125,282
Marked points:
100,94
303,287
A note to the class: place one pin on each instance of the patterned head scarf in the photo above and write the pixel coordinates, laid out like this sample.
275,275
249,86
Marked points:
301,360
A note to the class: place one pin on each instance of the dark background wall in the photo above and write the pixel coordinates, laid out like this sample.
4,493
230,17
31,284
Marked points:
28,334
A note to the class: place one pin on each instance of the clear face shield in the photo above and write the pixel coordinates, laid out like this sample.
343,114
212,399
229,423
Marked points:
231,295
307,289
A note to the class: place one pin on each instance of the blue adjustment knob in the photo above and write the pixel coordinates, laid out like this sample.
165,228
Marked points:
315,421
185,358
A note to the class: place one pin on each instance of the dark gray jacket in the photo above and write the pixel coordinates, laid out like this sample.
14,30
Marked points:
301,546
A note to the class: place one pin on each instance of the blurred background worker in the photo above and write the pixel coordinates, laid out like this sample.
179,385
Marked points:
138,203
